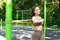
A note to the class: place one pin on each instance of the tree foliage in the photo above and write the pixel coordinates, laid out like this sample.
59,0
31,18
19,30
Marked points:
52,10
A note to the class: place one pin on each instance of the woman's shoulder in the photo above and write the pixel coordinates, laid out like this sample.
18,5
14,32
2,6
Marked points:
33,18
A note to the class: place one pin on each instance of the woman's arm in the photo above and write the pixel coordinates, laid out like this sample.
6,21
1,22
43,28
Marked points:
37,22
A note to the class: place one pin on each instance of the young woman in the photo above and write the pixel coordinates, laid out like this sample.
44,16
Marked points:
37,22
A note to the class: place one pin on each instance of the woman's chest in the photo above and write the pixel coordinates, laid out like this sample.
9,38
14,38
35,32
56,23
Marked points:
38,18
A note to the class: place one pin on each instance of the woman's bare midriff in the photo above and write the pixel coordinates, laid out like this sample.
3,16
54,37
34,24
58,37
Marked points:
38,27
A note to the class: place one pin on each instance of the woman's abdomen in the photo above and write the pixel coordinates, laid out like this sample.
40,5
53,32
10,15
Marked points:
38,27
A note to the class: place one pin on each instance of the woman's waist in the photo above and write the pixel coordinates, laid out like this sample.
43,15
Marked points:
38,28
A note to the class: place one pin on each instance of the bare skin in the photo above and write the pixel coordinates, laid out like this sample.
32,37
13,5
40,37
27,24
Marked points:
38,24
38,28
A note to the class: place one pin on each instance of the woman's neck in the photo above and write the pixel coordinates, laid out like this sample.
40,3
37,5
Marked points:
36,15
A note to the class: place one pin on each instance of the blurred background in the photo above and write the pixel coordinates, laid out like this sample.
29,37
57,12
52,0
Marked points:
22,10
21,15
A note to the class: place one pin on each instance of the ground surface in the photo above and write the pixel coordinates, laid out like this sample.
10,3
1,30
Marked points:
25,33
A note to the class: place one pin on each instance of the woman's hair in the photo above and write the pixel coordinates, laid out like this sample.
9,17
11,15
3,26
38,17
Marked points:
33,9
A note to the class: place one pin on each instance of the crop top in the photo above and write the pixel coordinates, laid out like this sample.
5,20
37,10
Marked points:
37,20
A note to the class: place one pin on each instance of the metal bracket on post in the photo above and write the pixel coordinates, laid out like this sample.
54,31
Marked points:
8,21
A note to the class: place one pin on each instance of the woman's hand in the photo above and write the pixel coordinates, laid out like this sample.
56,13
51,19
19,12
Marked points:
41,20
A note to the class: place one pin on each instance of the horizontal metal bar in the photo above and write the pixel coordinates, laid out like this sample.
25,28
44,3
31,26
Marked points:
53,2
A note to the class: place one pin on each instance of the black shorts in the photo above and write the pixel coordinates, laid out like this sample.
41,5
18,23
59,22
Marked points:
37,35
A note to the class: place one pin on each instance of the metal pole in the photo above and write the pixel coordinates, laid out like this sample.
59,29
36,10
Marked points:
1,25
17,17
22,17
44,20
8,20
22,14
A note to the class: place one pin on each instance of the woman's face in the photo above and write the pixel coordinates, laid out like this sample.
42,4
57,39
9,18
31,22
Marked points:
37,10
